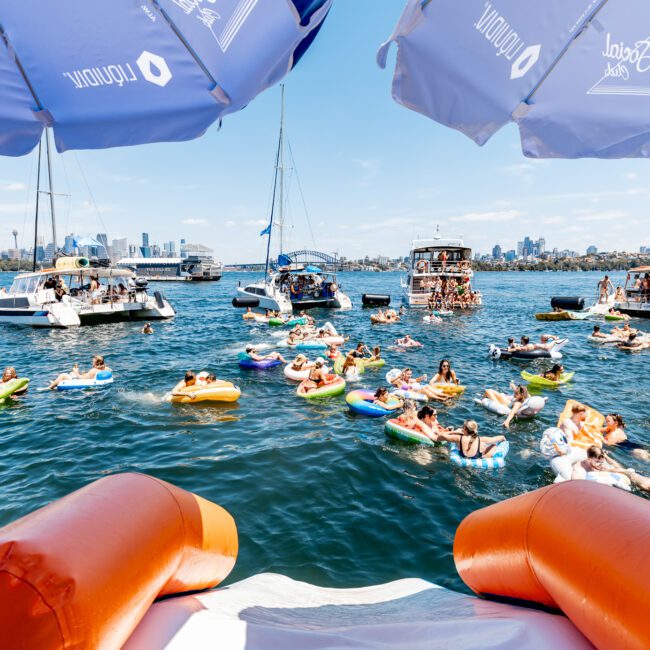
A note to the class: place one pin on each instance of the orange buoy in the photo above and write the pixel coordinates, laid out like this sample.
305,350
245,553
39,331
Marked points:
82,571
577,546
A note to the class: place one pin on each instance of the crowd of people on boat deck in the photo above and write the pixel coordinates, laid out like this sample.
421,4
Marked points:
93,289
450,293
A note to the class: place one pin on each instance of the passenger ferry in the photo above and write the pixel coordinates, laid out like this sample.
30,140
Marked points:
440,266
194,268
637,296
297,287
35,299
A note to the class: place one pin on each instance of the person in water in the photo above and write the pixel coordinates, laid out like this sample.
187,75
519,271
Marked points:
349,367
470,444
255,356
408,342
445,374
376,354
360,351
595,461
382,397
429,416
514,402
248,314
189,381
301,363
554,374
597,333
147,329
633,343
98,366
333,351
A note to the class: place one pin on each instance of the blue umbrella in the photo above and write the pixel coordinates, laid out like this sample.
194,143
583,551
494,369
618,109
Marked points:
124,72
574,75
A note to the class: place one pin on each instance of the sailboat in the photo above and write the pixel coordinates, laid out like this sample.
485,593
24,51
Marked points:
73,292
290,286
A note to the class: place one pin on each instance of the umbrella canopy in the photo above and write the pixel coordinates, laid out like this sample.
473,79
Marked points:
573,74
124,72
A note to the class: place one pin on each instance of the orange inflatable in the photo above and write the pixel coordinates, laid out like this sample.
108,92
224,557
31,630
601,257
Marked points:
589,430
577,546
82,571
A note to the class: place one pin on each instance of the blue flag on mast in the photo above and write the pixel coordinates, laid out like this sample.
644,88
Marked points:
266,231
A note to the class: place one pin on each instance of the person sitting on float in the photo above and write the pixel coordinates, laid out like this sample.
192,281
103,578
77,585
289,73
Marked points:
360,351
376,354
624,331
405,381
301,363
470,444
633,343
187,382
255,356
445,374
409,420
514,402
98,365
429,416
554,374
317,377
382,397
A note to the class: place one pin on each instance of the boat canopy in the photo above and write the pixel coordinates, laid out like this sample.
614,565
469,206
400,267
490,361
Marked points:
101,273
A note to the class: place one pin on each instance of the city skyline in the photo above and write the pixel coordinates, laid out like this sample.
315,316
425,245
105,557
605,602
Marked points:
373,175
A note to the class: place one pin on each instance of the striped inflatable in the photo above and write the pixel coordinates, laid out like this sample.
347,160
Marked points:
497,461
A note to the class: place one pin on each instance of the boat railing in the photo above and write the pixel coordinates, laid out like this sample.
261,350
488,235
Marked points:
427,267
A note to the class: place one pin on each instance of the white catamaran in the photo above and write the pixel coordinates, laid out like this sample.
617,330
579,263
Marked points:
72,292
291,286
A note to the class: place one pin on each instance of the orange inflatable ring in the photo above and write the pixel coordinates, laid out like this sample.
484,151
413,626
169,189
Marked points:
578,546
422,266
82,571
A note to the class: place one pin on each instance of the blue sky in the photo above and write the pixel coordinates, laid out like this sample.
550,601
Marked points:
374,175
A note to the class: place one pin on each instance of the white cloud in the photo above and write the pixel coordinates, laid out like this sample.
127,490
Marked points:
230,223
504,215
607,215
552,220
632,176
194,222
13,187
255,222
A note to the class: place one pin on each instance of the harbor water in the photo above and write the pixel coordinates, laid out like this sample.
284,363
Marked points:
319,494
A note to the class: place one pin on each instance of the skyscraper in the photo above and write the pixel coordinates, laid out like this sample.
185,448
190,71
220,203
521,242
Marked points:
103,240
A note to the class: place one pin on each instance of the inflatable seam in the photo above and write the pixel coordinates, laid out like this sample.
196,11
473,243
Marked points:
180,512
43,599
529,560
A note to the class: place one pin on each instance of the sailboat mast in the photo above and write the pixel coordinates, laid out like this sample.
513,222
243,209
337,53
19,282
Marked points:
281,170
49,174
38,196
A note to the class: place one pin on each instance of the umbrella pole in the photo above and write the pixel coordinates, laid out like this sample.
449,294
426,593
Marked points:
49,175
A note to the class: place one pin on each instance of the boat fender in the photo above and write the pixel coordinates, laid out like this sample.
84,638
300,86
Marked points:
245,301
375,300
572,303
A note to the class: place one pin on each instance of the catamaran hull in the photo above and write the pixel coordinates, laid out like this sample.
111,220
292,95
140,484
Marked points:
63,316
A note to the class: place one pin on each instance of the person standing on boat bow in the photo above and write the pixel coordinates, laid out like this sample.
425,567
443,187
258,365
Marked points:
605,287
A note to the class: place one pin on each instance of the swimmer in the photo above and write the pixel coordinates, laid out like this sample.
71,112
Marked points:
98,366
248,314
333,351
633,344
429,416
301,363
408,342
514,402
596,461
349,367
597,334
252,353
10,374
360,351
147,329
470,444
445,374
381,398
614,435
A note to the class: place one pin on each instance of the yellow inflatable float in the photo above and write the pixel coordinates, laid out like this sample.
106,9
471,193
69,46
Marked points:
450,389
216,391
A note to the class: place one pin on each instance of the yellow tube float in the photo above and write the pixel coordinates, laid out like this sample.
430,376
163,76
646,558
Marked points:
216,391
450,389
